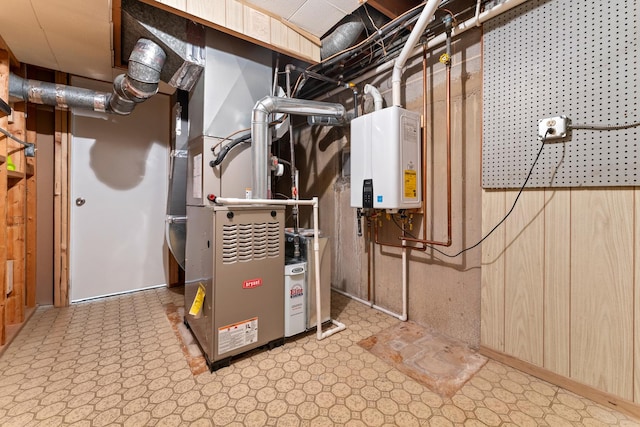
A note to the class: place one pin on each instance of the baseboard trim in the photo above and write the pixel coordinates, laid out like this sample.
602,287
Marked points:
606,399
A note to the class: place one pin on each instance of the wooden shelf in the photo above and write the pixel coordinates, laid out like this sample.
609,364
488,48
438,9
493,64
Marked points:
15,175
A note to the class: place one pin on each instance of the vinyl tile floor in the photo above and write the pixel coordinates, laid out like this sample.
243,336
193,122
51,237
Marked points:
117,361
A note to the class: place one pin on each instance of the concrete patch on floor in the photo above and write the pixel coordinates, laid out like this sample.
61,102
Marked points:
441,363
190,348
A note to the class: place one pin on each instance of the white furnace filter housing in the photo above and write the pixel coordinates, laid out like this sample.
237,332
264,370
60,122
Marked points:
385,160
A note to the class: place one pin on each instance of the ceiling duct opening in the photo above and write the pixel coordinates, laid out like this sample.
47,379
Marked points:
181,39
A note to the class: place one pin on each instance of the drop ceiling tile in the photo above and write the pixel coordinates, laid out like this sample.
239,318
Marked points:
317,17
87,56
346,6
69,10
98,68
24,36
284,8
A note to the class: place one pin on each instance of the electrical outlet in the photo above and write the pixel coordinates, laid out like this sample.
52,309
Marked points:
552,128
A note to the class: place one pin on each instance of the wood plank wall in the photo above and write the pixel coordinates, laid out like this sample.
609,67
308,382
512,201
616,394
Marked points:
4,94
16,213
17,202
561,285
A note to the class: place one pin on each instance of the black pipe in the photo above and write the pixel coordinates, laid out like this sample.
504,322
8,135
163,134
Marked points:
225,150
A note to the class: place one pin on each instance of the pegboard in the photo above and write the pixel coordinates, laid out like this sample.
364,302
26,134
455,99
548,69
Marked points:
548,58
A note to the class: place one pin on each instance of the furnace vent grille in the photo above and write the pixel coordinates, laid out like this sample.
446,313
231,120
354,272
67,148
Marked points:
273,239
229,244
248,242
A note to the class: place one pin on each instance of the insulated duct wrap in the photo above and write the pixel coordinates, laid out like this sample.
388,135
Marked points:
342,37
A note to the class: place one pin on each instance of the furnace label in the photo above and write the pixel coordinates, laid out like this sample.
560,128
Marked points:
253,283
238,335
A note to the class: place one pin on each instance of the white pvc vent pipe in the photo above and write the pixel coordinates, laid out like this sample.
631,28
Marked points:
316,251
425,17
375,94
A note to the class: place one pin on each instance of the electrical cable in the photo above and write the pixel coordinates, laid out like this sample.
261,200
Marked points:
508,213
16,139
381,42
226,138
603,127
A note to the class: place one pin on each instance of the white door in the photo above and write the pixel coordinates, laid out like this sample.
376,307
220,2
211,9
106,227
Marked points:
119,167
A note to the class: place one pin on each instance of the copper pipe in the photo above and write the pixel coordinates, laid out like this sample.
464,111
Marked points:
381,243
424,241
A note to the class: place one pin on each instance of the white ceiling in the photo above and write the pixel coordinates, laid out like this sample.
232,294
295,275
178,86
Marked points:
76,36
314,16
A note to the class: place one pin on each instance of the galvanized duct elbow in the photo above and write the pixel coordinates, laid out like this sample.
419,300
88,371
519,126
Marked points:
142,78
139,84
342,37
260,139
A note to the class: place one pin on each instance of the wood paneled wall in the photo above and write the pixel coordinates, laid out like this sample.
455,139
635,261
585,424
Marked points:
17,212
561,285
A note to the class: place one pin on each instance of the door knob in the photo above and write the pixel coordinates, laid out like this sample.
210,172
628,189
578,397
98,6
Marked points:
80,201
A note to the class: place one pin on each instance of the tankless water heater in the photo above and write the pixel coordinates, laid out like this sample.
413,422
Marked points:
385,160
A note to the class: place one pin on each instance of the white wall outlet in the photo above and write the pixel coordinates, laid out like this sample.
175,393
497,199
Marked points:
552,128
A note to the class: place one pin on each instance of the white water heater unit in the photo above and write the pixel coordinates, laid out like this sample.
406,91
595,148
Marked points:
385,160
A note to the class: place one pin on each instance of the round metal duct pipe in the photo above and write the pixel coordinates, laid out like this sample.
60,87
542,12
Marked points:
140,83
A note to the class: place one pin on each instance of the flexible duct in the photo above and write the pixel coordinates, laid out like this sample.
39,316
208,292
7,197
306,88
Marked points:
345,35
139,84
260,131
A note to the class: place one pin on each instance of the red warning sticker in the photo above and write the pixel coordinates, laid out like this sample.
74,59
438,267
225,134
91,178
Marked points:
250,284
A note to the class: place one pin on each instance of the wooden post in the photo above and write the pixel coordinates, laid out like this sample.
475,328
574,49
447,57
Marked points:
31,211
61,205
4,94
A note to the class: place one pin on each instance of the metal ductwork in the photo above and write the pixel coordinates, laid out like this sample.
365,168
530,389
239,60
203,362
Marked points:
139,84
345,35
348,30
260,138
142,78
181,39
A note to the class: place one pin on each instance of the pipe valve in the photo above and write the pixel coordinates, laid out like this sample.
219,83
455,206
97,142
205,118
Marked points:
445,59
